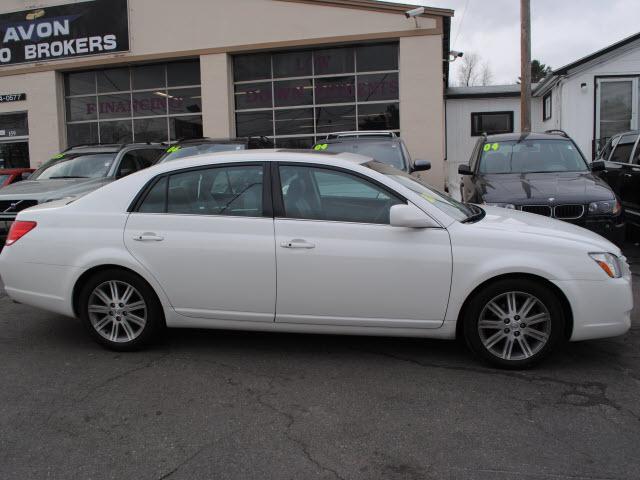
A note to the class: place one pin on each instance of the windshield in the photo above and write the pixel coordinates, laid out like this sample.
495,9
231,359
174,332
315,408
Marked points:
88,165
443,202
177,151
529,156
3,178
385,152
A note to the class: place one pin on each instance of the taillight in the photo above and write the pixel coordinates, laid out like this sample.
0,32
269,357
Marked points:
19,229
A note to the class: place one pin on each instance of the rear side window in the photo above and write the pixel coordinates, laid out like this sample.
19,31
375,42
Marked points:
622,150
232,190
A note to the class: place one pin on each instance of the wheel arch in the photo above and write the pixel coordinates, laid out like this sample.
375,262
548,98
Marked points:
566,306
77,287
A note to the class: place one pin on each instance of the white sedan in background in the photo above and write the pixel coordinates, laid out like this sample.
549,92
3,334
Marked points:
308,242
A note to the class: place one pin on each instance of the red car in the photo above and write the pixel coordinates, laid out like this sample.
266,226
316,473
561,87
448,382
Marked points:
13,175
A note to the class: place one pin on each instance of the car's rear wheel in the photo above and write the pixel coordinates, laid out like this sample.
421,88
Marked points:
514,323
120,310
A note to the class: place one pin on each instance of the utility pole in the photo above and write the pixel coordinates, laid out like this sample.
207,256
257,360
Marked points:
525,65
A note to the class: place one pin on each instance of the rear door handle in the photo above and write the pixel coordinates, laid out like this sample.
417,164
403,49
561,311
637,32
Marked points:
148,237
297,243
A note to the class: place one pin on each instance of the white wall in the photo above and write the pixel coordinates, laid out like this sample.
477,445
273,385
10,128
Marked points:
574,105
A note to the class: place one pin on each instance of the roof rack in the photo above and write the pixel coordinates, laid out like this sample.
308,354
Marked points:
357,134
557,131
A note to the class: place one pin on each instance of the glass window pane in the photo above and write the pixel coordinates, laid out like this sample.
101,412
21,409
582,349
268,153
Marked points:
252,67
372,58
491,123
151,130
235,191
82,133
321,194
291,64
333,60
379,86
155,201
294,121
185,127
289,93
116,132
80,83
81,108
615,107
378,116
148,76
149,103
116,105
113,80
14,125
335,90
298,142
183,73
253,95
336,119
254,123
185,100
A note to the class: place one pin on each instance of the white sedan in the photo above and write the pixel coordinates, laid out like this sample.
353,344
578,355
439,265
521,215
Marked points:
310,242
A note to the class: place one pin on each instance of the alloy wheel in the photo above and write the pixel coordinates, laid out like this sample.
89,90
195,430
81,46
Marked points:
514,325
117,311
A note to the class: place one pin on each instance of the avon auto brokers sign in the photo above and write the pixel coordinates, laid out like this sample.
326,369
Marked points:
83,28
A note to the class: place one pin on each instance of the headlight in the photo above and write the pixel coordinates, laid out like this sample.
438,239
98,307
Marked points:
611,207
502,205
609,263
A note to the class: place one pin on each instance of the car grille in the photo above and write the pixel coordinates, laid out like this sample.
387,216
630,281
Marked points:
15,206
568,212
538,209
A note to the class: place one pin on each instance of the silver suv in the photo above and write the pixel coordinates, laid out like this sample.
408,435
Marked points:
75,172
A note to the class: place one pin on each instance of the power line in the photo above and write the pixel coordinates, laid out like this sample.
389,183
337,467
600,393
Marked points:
464,14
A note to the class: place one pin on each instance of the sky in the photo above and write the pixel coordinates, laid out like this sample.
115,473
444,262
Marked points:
562,31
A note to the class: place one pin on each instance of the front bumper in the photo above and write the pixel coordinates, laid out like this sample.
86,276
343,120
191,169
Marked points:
5,224
599,309
611,228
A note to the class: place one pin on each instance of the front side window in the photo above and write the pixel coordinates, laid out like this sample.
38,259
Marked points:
531,156
228,190
491,123
90,165
324,194
623,148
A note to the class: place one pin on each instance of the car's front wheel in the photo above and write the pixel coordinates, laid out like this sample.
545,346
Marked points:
514,323
120,310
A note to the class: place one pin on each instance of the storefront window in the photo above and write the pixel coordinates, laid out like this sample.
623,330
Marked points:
145,103
298,97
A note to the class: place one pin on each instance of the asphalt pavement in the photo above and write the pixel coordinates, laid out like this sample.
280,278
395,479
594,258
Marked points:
235,405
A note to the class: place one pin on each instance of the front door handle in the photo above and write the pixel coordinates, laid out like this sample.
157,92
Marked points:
148,237
297,243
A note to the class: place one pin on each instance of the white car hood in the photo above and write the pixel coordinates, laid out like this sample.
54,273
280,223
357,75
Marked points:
509,220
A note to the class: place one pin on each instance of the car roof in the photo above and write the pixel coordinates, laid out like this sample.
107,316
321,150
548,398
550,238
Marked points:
107,147
381,140
505,137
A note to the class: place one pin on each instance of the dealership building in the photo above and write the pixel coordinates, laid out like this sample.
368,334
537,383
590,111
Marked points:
116,71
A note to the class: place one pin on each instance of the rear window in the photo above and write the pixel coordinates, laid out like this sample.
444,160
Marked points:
385,152
175,152
530,156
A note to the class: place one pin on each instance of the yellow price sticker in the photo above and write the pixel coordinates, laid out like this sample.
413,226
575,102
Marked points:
495,146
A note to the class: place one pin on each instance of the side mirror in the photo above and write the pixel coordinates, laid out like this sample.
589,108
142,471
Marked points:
421,165
464,170
598,166
410,216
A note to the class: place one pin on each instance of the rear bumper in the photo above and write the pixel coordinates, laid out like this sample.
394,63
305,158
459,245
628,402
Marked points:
600,309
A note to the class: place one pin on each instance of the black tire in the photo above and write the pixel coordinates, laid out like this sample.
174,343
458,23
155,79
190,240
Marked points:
527,345
135,335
